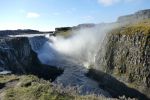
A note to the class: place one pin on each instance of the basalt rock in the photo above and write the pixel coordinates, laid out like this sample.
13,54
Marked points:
17,56
126,56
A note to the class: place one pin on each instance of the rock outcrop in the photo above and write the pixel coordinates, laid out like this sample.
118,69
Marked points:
17,56
86,25
140,15
126,56
68,31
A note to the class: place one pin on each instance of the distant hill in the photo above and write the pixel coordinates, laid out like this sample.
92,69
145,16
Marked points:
140,15
21,32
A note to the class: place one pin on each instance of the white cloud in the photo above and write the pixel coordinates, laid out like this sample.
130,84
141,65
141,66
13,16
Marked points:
108,2
32,15
112,2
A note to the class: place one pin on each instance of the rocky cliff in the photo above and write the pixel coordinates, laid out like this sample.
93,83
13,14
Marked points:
126,56
122,62
140,15
17,56
68,31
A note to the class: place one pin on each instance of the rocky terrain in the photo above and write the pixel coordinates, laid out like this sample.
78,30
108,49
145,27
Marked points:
126,56
65,31
29,87
140,15
17,56
122,65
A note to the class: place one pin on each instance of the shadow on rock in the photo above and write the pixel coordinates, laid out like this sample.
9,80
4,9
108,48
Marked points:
2,85
17,56
113,86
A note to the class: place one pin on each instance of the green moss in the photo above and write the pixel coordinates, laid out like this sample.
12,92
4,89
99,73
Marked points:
7,78
27,81
30,87
64,33
10,94
142,27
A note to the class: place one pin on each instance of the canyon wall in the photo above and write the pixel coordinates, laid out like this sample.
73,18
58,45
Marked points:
126,56
17,56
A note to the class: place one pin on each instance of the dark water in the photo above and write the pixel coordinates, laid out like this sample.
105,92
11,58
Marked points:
74,72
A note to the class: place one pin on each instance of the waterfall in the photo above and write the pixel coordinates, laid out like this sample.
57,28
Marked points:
74,72
37,42
72,54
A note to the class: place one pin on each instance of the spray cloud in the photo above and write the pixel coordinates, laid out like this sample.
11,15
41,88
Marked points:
82,46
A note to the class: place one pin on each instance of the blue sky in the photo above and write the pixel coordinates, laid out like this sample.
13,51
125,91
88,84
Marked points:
48,14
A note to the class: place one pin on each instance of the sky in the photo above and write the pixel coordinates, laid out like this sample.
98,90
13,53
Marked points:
45,15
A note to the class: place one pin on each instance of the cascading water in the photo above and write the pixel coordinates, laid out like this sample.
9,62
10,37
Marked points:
72,54
74,73
37,42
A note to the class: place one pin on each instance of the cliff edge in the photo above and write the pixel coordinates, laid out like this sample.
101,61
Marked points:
126,55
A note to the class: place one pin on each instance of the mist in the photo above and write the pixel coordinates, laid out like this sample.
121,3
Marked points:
74,54
81,47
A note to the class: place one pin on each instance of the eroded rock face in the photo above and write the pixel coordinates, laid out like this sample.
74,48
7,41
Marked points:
140,15
15,52
16,55
127,57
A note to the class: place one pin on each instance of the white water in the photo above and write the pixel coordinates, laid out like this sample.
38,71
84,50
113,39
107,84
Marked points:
29,35
74,55
74,72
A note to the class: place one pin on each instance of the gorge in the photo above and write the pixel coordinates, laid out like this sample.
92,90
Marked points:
110,59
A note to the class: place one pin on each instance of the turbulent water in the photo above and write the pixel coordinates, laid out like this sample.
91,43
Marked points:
74,54
74,72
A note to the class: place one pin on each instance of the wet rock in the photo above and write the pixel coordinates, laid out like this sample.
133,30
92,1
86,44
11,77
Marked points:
113,86
17,56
